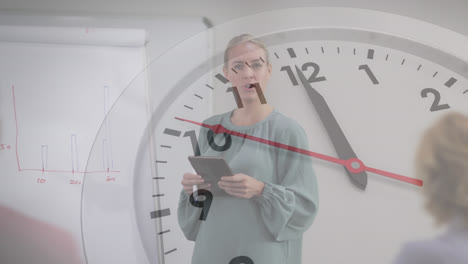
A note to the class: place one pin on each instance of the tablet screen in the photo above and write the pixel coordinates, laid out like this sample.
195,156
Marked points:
211,168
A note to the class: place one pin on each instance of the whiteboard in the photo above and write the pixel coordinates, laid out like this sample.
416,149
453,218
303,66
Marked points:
53,100
55,90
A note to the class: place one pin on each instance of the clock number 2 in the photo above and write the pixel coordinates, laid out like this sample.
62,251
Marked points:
210,138
241,260
305,66
435,105
205,204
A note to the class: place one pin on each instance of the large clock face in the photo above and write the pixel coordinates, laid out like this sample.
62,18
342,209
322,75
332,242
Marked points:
383,89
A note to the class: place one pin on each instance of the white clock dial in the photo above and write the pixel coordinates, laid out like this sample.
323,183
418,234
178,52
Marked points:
383,99
384,84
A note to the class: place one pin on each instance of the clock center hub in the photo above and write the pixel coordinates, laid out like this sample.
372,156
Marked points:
355,165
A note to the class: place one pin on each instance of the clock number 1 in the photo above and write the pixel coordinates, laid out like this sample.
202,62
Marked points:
193,140
305,66
371,75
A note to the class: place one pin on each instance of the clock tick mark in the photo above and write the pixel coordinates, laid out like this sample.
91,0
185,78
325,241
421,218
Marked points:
161,161
189,107
158,195
172,132
159,178
165,146
276,55
160,213
170,251
386,58
220,77
233,70
338,50
307,51
211,87
262,59
291,52
403,61
323,51
198,96
164,232
246,63
465,92
354,51
370,54
419,67
435,74
450,82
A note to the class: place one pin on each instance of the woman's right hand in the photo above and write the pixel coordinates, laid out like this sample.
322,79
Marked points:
191,179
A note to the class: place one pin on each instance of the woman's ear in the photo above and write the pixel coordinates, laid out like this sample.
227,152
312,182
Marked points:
269,68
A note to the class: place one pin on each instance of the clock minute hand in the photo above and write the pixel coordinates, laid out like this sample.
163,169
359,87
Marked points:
341,144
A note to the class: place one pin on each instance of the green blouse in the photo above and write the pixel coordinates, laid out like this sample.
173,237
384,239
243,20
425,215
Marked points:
267,229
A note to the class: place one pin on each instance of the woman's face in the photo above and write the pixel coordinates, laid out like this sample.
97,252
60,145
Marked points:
246,66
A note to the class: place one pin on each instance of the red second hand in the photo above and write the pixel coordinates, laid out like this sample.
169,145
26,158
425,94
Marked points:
347,163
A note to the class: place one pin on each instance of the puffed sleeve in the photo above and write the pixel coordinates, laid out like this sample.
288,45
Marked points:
188,217
288,207
187,214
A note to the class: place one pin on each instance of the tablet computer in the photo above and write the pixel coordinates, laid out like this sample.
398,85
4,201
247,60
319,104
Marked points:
211,168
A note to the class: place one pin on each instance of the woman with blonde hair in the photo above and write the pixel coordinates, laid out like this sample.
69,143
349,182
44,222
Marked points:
442,162
272,198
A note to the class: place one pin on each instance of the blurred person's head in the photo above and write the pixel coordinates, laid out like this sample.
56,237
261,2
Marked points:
442,163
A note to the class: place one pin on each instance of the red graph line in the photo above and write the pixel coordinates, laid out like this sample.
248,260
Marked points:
69,171
16,121
42,170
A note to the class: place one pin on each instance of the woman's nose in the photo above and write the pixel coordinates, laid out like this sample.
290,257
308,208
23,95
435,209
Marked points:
248,72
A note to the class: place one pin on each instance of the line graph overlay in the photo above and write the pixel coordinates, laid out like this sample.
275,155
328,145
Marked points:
45,149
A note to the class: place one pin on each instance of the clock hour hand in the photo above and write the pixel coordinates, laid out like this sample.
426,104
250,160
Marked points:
341,144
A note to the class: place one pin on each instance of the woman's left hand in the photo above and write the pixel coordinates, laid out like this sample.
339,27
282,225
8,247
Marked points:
241,185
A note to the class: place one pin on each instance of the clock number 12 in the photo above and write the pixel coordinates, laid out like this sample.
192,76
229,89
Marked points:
305,66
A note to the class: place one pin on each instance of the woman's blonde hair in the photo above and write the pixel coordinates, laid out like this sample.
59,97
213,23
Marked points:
442,163
242,39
